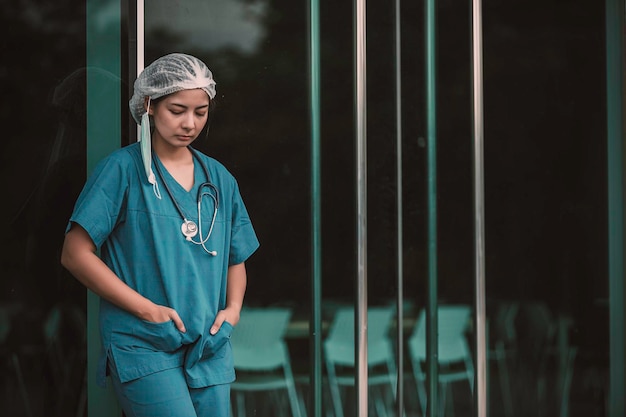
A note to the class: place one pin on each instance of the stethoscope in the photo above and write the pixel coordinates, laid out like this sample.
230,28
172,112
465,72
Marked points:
189,228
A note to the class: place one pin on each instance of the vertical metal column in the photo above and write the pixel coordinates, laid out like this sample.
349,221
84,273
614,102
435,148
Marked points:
615,162
480,318
431,137
140,36
399,218
361,191
316,211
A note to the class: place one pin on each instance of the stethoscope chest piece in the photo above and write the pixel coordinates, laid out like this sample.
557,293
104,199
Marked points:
189,229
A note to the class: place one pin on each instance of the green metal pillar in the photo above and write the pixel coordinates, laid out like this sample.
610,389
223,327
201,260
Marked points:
103,136
431,143
615,155
316,211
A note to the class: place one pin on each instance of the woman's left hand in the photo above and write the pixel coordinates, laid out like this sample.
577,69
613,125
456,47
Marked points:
229,314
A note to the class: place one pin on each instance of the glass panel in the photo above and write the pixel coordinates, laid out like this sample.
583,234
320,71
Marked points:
546,233
104,133
546,203
259,130
262,89
545,185
451,197
42,308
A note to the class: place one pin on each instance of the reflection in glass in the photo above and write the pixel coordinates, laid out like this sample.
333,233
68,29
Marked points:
544,159
339,357
454,356
42,308
263,363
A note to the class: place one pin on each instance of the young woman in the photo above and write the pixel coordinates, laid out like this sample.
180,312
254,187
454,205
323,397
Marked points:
173,235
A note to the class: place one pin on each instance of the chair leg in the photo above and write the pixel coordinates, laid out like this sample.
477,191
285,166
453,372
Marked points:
421,394
293,401
241,405
419,382
334,391
328,407
291,391
301,403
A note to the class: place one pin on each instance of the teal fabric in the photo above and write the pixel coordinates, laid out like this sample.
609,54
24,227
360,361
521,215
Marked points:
141,241
166,394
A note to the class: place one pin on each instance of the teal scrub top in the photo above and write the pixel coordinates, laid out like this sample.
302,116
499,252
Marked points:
138,232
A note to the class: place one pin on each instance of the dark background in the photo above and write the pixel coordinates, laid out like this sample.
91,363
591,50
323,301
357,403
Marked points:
545,165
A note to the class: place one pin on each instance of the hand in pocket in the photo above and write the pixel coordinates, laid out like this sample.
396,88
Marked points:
162,314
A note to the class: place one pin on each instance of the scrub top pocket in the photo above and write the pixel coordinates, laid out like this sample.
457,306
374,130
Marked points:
140,348
215,345
146,335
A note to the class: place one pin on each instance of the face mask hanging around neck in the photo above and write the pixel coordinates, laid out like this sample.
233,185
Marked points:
145,143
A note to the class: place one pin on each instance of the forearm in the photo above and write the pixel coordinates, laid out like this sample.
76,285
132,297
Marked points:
236,287
235,291
96,276
79,258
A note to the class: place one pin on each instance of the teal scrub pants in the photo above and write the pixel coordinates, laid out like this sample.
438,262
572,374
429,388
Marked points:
166,394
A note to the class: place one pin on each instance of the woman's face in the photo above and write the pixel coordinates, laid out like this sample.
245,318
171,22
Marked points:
179,117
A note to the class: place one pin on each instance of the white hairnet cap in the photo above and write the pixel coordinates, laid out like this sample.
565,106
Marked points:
167,75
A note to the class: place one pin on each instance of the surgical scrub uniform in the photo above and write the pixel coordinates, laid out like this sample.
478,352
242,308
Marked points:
137,228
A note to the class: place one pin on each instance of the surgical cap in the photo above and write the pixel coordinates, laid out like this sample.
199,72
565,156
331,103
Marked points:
167,75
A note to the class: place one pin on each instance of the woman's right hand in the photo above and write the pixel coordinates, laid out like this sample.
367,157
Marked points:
162,314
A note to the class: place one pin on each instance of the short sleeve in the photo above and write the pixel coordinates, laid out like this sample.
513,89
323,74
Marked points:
244,241
99,207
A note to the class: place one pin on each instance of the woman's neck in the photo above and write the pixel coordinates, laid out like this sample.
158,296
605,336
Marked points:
172,155
178,162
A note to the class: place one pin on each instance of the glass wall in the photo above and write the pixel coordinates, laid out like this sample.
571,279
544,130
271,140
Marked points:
545,174
42,309
545,192
546,202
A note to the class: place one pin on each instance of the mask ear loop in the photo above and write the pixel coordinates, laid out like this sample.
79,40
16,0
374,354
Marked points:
145,142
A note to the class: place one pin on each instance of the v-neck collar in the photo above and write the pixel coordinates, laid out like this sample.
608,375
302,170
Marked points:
178,188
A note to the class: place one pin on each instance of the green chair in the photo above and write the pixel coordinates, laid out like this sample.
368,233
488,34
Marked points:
262,360
339,356
454,354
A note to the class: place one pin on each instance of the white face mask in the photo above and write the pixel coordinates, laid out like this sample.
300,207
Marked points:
145,142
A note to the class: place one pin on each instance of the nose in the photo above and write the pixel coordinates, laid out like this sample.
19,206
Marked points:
188,121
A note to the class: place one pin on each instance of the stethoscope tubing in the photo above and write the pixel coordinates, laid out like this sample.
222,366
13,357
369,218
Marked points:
201,193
